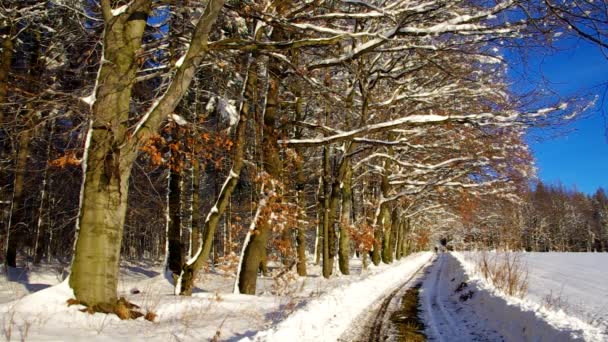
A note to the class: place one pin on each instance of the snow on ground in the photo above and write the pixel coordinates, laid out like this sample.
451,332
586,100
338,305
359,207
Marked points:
212,311
574,277
576,283
327,318
315,309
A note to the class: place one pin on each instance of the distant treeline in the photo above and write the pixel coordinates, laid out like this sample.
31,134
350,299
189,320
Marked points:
566,220
545,218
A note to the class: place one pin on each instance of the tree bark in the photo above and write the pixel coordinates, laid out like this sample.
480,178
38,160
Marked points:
385,224
111,149
320,221
196,235
43,211
107,166
345,223
174,255
301,197
327,259
394,234
5,67
19,212
254,256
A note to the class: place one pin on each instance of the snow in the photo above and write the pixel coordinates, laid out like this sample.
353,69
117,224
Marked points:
579,278
329,316
316,309
228,111
226,108
181,60
120,10
90,100
212,310
179,119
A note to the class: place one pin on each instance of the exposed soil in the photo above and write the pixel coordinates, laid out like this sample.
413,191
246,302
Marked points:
406,320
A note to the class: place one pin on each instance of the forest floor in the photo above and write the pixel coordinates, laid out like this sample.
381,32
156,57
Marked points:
565,299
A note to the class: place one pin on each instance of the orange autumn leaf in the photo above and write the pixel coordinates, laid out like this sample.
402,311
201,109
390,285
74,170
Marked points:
69,159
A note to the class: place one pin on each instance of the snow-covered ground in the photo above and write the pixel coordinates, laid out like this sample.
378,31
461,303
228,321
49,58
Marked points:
576,283
328,317
566,294
566,301
212,312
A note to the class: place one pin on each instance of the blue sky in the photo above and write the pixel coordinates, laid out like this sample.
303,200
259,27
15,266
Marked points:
575,155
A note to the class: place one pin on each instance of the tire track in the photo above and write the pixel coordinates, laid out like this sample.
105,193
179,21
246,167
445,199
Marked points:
441,313
375,331
439,316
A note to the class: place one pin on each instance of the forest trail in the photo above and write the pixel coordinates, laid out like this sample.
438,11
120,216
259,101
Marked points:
373,324
444,304
455,307
443,314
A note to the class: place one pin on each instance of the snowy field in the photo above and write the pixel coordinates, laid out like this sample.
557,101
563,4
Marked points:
576,283
212,312
569,291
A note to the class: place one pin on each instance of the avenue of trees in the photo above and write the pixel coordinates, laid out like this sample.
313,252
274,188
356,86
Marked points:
231,133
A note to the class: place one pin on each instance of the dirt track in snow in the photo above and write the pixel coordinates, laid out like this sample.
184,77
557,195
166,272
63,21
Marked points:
373,325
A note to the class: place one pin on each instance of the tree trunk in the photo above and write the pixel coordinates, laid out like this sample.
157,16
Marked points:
327,259
111,148
335,192
385,211
43,211
320,222
19,212
94,276
345,223
185,283
174,260
301,248
106,168
254,257
5,67
385,224
377,248
196,235
300,195
394,234
399,243
254,254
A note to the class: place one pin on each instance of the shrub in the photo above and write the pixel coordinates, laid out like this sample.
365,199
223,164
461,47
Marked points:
505,270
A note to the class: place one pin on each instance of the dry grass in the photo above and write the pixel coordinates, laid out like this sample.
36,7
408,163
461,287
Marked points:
14,329
506,271
407,318
555,301
150,316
